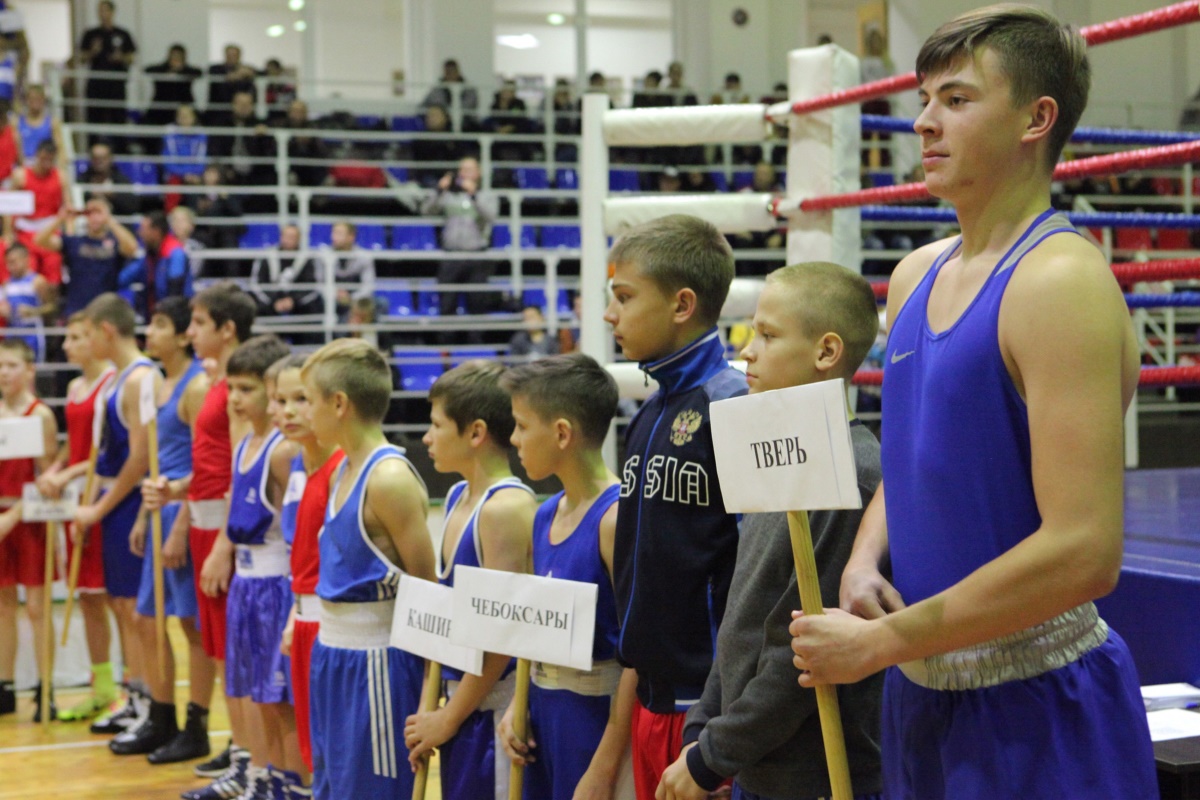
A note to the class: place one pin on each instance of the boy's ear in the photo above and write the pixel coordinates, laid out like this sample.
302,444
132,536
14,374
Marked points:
686,305
1043,113
478,431
830,350
564,432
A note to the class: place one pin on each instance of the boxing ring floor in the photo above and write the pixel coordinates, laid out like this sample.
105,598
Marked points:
1156,605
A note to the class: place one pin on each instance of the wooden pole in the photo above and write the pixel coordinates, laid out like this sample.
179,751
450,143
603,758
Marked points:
160,617
77,553
827,700
48,623
516,776
431,692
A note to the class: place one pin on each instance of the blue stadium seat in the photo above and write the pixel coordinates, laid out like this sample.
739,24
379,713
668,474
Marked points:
259,234
742,179
565,305
426,300
414,237
534,297
369,121
320,233
719,180
81,165
399,302
408,124
565,178
623,180
398,173
529,237
561,236
881,177
532,178
458,357
501,237
372,237
420,377
141,173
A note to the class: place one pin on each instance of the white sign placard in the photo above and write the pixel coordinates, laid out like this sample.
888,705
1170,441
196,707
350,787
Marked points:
147,407
527,616
786,450
16,202
422,625
36,508
21,437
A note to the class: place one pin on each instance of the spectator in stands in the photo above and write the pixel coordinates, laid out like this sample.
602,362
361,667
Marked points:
162,271
669,180
533,341
304,148
281,91
651,95
508,115
568,336
183,226
185,153
698,180
103,178
106,49
443,94
14,54
680,95
436,152
765,179
48,186
172,86
824,38
249,150
565,109
92,260
468,213
732,91
353,267
36,124
275,279
218,203
226,80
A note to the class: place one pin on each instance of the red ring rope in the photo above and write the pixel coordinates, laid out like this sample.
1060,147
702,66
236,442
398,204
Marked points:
1151,376
1170,155
1179,269
1103,33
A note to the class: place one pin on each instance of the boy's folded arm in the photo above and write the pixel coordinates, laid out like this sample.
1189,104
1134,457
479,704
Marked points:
398,501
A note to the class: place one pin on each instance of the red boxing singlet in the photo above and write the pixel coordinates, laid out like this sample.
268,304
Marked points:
81,415
310,516
8,152
211,451
47,199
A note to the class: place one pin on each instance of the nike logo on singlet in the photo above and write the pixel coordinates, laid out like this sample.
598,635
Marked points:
896,357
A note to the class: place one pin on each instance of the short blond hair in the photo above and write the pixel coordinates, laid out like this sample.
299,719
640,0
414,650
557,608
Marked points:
357,369
828,298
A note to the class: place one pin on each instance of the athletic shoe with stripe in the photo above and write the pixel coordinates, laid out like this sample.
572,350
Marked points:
216,765
229,785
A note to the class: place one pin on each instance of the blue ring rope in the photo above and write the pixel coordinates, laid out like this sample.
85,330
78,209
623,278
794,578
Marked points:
1097,219
876,123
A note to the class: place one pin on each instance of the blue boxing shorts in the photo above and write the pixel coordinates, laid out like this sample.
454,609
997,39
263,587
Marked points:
256,614
179,585
122,569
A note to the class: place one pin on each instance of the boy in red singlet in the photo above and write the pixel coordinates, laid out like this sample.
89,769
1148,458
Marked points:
46,182
222,316
303,515
70,466
22,545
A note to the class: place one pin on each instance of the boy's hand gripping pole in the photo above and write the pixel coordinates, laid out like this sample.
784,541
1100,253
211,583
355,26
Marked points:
430,693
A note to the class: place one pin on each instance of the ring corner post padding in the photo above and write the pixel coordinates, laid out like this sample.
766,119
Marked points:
823,157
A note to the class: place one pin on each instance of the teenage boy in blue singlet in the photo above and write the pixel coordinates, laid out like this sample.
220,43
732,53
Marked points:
489,523
361,689
578,743
1010,363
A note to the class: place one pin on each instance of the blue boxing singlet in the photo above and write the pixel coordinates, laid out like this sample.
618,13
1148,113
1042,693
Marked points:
956,457
252,518
174,436
297,480
114,442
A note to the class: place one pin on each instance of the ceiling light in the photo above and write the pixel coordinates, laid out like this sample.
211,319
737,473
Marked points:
275,31
300,25
520,41
295,5
555,18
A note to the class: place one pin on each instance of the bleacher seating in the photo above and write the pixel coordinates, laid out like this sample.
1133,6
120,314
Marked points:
414,237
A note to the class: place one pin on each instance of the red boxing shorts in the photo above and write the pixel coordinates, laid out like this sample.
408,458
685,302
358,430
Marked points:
23,555
211,616
304,636
656,740
91,564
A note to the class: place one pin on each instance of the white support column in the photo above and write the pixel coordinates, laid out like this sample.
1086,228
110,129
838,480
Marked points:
594,338
823,157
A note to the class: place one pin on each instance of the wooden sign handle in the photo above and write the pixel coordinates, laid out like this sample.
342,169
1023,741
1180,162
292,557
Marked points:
516,775
431,692
156,535
77,553
827,700
48,623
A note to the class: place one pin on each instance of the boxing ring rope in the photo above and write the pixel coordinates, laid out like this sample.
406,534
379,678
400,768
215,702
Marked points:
1150,377
1082,219
1102,33
1127,274
877,123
